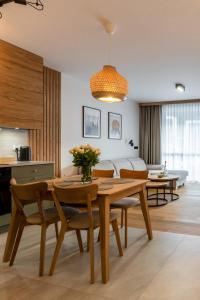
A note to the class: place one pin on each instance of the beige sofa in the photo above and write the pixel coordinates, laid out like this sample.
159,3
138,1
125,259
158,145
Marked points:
139,165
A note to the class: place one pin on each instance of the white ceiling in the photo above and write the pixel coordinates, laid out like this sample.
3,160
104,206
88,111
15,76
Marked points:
157,42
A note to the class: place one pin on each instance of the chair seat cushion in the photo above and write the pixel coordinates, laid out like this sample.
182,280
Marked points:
81,221
125,203
51,215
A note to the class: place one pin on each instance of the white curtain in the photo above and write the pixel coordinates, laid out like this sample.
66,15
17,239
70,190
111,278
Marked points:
181,138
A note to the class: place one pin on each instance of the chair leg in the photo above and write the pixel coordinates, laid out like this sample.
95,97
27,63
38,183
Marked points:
122,218
91,250
16,244
57,249
88,240
56,230
99,235
126,228
80,244
117,236
42,248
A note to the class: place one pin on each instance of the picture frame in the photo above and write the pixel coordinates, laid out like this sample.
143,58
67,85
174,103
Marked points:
114,126
91,122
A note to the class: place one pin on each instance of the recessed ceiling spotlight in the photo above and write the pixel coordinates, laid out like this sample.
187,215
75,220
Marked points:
16,128
180,87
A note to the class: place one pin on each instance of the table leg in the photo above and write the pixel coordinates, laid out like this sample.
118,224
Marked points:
12,232
104,205
171,189
145,211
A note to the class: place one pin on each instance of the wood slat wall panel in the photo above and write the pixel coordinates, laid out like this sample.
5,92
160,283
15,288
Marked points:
45,143
21,87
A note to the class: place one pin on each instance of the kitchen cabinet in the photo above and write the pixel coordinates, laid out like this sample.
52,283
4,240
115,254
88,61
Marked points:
25,172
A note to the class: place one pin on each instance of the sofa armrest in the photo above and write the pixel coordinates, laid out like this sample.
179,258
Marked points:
155,167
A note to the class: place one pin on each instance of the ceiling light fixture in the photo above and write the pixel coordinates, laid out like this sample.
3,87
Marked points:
37,4
108,85
180,87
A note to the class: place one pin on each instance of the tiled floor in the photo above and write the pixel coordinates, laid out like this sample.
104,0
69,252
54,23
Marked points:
166,268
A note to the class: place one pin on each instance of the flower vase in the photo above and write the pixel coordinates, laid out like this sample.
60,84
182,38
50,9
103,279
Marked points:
86,174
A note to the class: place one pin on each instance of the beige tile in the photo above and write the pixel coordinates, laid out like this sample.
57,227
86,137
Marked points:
30,289
148,270
179,279
129,274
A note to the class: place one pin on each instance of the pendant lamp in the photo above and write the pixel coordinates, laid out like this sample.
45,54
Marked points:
108,85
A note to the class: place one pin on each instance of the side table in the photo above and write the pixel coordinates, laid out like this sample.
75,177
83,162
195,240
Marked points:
171,179
158,198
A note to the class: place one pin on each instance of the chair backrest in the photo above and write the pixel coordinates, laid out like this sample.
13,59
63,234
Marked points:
103,173
133,174
77,194
28,193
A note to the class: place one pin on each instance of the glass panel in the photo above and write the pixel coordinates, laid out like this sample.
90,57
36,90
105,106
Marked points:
181,138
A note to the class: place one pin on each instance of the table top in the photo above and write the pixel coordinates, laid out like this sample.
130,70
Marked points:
116,185
155,184
169,177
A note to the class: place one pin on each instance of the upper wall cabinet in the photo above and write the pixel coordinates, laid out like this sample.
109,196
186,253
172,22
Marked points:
21,87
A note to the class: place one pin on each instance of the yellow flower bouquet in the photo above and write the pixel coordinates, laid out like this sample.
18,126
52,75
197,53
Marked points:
85,156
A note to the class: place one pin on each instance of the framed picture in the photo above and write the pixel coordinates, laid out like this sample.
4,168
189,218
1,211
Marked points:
91,122
114,126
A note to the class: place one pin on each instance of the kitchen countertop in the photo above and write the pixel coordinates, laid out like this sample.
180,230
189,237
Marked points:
25,163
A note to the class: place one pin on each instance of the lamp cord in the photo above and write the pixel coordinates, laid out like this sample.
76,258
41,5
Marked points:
37,5
109,49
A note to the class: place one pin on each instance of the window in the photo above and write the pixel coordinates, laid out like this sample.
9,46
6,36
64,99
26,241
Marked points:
181,138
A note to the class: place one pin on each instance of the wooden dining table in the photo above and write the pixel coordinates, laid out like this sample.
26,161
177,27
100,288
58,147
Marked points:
117,190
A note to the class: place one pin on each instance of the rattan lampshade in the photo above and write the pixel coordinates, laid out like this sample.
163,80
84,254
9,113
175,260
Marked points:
108,85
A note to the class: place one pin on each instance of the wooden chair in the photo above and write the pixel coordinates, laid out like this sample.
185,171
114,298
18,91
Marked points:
102,173
126,203
87,220
24,194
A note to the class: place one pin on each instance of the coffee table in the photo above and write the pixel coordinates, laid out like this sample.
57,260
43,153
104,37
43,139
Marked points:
171,179
158,198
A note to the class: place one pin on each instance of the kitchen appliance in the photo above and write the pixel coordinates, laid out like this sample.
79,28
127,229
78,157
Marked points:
5,195
23,153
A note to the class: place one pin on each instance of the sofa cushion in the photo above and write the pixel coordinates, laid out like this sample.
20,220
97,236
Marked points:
105,165
122,163
138,164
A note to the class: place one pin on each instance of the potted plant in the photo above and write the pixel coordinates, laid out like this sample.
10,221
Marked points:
85,156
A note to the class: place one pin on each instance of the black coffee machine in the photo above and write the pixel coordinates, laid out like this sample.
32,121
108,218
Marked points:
23,153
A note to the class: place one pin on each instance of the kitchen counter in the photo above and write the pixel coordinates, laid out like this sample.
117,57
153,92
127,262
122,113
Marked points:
25,163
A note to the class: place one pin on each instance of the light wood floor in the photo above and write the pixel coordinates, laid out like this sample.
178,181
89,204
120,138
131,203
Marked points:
181,216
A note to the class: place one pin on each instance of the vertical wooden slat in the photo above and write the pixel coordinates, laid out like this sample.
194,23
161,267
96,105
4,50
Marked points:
53,112
45,143
57,124
45,115
51,86
58,164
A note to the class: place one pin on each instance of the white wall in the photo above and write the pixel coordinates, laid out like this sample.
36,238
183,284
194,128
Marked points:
74,95
12,138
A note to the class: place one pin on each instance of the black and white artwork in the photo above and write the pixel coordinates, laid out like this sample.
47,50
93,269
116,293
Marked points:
91,122
114,126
